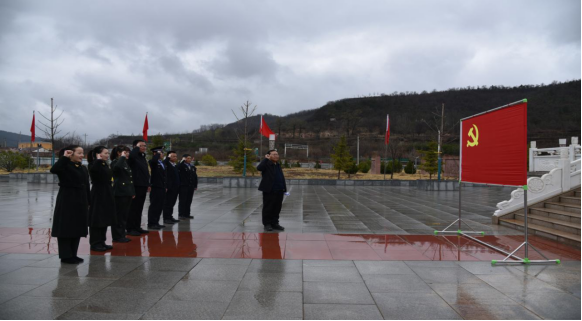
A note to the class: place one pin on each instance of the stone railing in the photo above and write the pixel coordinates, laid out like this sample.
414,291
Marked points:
564,177
546,159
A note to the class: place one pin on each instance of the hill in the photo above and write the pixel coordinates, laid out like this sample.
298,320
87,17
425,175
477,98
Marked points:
8,139
553,112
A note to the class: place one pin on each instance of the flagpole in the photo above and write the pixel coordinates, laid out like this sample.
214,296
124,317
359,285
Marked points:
31,145
385,158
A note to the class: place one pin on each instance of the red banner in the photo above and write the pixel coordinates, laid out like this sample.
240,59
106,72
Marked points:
494,146
146,126
264,129
32,130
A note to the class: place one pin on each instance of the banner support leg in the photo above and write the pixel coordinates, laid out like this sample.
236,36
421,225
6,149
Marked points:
459,221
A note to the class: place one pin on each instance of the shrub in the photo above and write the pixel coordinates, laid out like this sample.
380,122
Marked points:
296,164
364,167
286,164
409,168
196,163
208,160
352,169
317,165
10,160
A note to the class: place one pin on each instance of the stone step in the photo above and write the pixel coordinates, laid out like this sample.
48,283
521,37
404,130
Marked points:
568,227
560,236
570,200
556,214
574,208
577,193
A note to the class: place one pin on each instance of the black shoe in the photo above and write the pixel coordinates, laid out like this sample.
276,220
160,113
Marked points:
154,227
99,249
161,225
268,227
122,240
142,231
80,260
70,260
108,247
134,233
175,220
169,221
278,227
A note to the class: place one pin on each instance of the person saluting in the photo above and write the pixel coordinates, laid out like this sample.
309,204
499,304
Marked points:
158,190
123,190
102,209
70,216
273,187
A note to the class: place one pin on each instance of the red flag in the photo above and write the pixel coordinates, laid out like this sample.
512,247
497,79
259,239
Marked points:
494,146
387,138
264,129
32,127
145,128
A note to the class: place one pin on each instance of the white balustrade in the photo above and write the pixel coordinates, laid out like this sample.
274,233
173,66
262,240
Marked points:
546,159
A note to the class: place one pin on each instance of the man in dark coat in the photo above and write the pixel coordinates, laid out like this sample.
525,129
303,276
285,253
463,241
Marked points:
158,190
123,190
188,184
273,187
141,181
102,209
173,186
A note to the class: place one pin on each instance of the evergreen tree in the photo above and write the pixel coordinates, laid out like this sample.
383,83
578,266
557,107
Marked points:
342,160
430,159
409,169
237,161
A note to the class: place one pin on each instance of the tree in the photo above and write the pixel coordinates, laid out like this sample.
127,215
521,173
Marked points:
342,160
395,150
430,159
365,166
51,130
208,160
157,140
242,148
353,169
10,160
237,161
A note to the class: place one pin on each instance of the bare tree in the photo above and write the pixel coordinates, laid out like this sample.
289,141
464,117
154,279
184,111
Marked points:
52,129
246,112
396,151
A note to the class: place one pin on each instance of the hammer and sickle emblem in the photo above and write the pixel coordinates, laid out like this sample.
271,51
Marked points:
474,136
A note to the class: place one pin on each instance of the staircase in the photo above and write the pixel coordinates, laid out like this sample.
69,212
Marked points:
557,218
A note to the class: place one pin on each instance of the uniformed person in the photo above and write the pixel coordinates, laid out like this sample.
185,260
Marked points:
188,184
141,182
123,190
173,185
71,208
158,188
102,209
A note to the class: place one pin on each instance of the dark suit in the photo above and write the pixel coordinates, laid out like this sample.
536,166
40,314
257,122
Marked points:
188,184
173,184
273,187
102,209
141,181
158,193
124,191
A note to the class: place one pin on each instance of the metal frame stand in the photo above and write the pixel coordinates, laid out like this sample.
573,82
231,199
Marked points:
526,245
460,221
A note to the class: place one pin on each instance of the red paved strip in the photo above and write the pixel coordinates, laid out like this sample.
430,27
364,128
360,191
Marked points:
294,246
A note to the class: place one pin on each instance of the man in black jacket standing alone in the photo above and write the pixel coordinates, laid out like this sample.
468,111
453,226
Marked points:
141,181
173,185
188,184
273,187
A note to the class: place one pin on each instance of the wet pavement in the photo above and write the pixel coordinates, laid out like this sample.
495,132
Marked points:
347,253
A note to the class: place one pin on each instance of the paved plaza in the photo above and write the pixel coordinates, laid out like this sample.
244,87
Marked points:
347,253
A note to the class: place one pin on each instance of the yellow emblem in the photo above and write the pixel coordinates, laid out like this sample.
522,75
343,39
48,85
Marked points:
474,136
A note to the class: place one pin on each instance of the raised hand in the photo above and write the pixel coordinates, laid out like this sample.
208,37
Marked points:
98,156
68,153
268,156
124,154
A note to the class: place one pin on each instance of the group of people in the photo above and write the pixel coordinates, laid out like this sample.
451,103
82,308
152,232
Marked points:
117,194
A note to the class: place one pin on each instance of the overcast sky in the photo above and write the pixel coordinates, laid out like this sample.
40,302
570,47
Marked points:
188,63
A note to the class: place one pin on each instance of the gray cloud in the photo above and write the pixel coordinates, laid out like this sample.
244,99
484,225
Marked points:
187,63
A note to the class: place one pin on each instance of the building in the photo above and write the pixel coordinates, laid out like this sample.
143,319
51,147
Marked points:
44,145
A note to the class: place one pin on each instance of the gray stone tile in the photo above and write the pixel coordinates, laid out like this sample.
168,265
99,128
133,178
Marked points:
10,291
76,315
471,294
487,268
149,279
186,310
265,305
331,274
13,265
336,293
420,264
414,306
383,267
341,312
494,312
548,304
216,261
446,275
275,266
120,300
26,256
327,263
217,272
102,269
30,308
517,283
395,283
70,288
169,264
30,275
272,282
203,290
